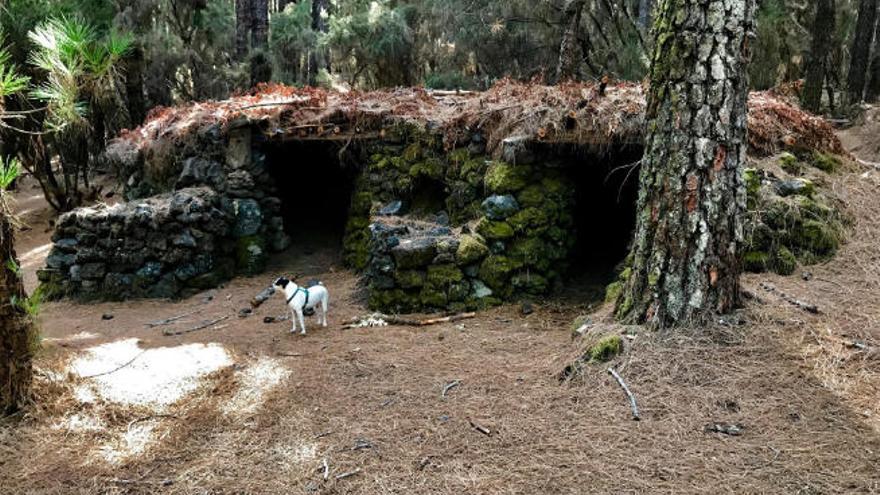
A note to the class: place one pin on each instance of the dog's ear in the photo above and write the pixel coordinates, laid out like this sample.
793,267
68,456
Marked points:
281,282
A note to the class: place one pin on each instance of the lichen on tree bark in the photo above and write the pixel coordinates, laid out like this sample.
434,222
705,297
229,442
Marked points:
684,263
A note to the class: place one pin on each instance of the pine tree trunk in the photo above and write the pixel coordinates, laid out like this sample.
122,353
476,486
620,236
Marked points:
243,22
569,49
684,263
645,7
318,26
15,350
134,86
861,50
260,32
872,92
817,61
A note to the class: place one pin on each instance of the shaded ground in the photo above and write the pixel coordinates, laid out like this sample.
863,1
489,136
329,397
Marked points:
805,388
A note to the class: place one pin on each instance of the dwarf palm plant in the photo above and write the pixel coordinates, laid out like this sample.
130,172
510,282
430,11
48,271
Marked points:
82,91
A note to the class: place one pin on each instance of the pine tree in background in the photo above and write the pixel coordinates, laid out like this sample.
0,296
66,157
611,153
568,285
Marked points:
817,60
861,50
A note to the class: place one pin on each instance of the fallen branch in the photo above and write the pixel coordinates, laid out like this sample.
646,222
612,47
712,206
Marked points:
119,368
197,328
629,394
450,386
262,297
171,320
396,320
809,308
348,474
480,428
288,354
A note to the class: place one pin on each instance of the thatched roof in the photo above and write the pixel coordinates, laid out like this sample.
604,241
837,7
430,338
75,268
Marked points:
581,113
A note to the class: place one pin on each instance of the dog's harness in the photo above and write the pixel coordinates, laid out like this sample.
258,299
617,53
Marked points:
304,291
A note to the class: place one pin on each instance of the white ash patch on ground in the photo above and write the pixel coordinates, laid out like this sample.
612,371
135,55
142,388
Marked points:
74,337
255,381
133,442
80,423
123,373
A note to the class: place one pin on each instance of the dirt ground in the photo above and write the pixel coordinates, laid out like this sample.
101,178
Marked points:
368,403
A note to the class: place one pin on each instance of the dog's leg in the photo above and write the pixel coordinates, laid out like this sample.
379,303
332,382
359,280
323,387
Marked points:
324,312
302,323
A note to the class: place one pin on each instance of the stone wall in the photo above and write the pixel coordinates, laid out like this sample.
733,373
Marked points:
498,232
165,246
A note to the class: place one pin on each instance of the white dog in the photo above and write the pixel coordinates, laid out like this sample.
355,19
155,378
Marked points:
300,299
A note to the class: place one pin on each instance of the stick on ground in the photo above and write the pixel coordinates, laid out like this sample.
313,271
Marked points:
449,386
348,474
171,320
809,308
480,428
396,320
629,394
197,328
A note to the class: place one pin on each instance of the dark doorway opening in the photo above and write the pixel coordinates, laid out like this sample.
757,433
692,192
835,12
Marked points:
314,180
606,192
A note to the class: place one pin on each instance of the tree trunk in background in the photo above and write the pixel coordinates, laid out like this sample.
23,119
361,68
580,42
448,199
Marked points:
243,22
692,196
817,60
318,26
861,50
645,7
260,28
15,348
873,90
569,49
134,86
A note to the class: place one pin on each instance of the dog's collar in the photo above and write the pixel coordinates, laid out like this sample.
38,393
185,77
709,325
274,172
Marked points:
298,289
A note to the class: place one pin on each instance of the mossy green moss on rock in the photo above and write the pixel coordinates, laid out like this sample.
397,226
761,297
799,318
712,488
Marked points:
471,248
531,251
817,238
433,298
533,220
250,255
612,292
790,163
410,279
442,276
825,162
530,283
493,230
606,349
502,178
496,271
755,261
784,261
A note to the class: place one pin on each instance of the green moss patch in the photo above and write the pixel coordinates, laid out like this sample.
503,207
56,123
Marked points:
504,178
606,349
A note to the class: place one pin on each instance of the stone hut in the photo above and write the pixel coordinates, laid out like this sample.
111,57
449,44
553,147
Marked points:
441,201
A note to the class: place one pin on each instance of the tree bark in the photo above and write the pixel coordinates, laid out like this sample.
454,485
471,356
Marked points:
817,60
645,7
569,56
861,50
260,28
318,26
684,264
243,22
134,86
15,348
873,89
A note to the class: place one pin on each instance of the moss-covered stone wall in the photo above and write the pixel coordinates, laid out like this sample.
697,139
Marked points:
435,229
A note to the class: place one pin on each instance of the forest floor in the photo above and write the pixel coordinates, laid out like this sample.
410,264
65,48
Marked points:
245,407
